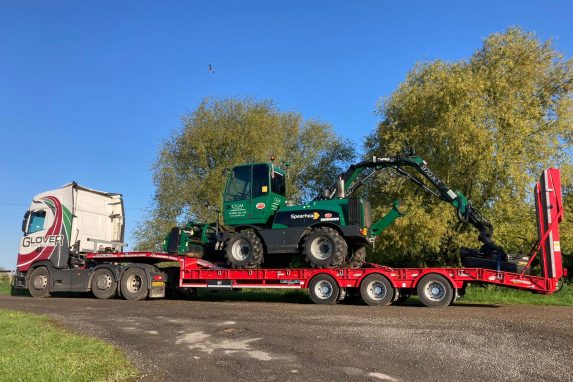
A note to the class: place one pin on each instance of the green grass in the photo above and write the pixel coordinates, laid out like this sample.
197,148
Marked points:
492,294
35,349
4,284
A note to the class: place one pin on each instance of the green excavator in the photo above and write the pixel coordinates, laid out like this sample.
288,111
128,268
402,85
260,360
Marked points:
333,230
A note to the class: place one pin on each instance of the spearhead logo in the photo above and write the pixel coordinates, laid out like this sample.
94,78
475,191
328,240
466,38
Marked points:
43,241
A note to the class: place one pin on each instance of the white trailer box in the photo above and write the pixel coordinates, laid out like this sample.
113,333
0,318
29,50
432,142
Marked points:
62,224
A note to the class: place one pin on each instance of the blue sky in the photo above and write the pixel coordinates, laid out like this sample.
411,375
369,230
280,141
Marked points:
90,89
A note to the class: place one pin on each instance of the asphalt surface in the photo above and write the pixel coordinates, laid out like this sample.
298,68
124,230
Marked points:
169,340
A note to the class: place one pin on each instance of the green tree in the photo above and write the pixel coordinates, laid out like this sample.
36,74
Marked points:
488,126
190,168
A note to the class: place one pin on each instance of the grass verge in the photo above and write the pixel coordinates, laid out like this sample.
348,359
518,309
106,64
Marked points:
491,294
4,284
35,349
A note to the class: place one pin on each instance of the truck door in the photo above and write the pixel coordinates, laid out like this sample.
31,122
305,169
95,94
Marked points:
34,228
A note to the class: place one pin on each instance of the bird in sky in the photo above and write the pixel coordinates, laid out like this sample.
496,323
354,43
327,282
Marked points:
211,69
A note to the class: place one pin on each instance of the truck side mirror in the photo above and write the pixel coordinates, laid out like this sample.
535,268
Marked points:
25,222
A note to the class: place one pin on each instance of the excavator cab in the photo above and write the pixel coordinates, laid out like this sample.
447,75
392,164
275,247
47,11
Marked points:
253,194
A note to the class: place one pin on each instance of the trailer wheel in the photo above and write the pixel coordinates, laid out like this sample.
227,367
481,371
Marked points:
103,283
325,248
435,291
376,289
134,284
323,289
39,282
244,250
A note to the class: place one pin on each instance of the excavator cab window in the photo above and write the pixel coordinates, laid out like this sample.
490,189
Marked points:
239,186
260,180
278,183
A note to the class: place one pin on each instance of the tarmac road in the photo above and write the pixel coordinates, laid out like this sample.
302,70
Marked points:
169,340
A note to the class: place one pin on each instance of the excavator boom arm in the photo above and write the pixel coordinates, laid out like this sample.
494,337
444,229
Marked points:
355,176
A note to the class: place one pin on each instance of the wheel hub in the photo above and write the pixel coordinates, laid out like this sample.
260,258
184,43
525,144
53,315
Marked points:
40,282
323,289
241,250
104,282
376,290
133,283
435,291
321,248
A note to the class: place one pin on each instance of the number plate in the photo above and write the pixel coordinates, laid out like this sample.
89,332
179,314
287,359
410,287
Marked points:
157,284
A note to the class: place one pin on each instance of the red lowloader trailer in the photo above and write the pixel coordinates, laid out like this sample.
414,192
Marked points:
135,276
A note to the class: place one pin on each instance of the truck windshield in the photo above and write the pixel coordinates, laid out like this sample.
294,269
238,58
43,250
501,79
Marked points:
36,222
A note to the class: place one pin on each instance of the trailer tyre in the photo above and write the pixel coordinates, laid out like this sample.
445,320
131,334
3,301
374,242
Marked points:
325,248
39,282
244,250
103,284
435,291
134,284
323,289
376,289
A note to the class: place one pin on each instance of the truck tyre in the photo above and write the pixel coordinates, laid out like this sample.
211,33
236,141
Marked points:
39,282
358,257
376,289
103,284
244,250
323,289
325,248
134,284
435,291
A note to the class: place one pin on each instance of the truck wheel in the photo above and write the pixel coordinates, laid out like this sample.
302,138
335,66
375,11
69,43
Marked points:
435,291
103,283
244,250
375,289
358,257
39,282
325,248
134,284
323,289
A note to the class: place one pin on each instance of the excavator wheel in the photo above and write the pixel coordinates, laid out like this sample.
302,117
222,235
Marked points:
323,247
244,250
